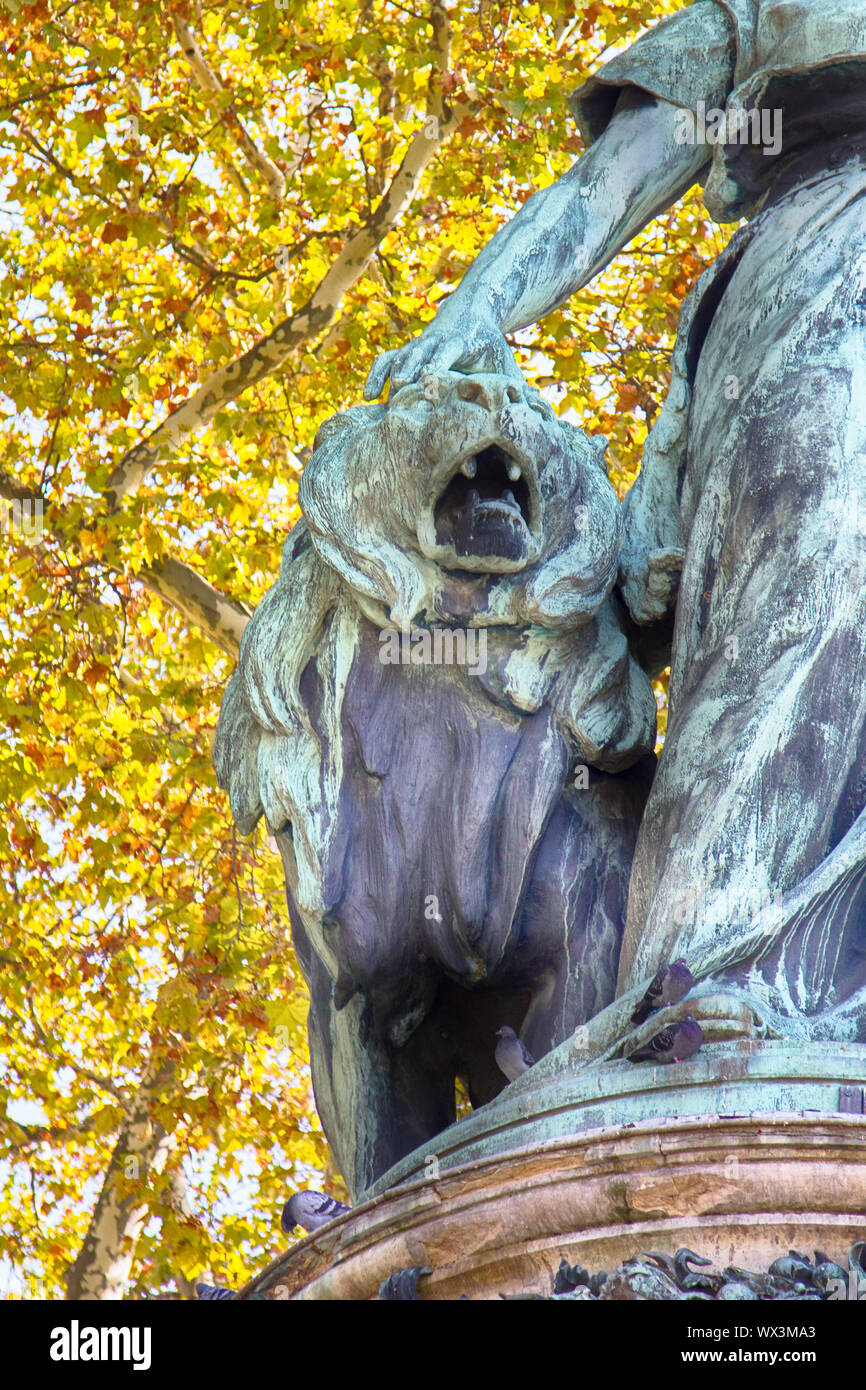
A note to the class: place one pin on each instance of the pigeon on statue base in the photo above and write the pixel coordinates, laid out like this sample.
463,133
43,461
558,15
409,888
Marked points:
673,1044
512,1056
669,985
311,1210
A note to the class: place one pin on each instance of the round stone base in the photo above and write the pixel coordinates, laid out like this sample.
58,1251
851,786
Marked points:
556,1098
739,1189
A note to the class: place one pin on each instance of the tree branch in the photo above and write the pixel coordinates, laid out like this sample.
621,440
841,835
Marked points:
193,254
64,1060
294,332
211,84
103,1264
32,1135
218,617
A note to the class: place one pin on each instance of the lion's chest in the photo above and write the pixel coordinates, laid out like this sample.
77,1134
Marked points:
443,799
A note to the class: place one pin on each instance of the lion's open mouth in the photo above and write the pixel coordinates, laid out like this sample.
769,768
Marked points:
484,512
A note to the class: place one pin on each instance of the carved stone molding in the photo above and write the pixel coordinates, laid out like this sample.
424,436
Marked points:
742,1189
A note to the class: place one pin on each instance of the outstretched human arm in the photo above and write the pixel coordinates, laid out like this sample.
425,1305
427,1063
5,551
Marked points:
630,113
636,164
557,242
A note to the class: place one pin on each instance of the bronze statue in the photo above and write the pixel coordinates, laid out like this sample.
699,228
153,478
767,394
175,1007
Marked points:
451,749
447,873
751,860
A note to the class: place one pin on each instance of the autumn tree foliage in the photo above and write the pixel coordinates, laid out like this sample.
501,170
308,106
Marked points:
213,217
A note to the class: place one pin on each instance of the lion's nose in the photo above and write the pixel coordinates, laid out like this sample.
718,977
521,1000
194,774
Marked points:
490,392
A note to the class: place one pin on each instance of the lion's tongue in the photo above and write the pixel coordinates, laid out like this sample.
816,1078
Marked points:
491,526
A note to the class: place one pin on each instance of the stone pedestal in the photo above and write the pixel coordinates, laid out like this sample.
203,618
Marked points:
743,1156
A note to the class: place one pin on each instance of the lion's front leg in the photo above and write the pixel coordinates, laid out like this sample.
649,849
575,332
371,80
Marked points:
574,919
377,1102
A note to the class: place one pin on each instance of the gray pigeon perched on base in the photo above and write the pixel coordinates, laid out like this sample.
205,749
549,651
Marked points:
673,1044
669,985
512,1056
311,1210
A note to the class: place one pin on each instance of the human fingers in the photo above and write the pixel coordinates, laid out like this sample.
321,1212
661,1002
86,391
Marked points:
429,353
378,375
668,559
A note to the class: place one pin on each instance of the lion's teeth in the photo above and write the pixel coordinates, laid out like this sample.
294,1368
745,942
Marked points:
469,467
514,471
474,497
508,496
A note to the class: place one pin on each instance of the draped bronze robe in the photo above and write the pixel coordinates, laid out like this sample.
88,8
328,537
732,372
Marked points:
751,859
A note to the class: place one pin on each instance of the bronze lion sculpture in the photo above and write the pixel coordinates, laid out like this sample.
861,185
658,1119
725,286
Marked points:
438,713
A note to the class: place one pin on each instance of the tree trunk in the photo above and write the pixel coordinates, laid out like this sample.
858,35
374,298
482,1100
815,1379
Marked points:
103,1265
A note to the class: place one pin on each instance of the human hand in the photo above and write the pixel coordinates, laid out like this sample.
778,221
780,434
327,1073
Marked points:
458,341
650,583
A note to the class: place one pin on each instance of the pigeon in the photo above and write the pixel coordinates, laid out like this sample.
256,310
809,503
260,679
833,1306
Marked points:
570,1277
679,1269
213,1291
402,1287
669,985
672,1044
311,1210
827,1272
794,1266
512,1056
